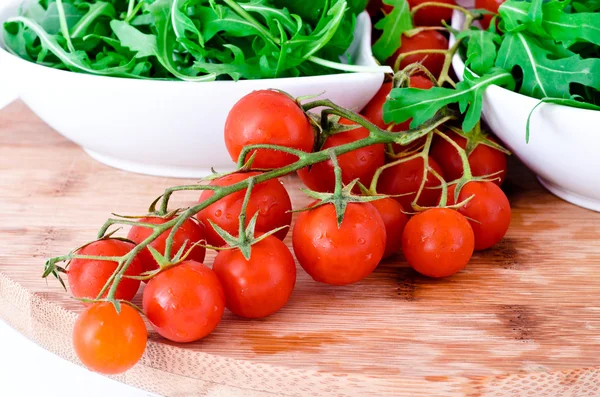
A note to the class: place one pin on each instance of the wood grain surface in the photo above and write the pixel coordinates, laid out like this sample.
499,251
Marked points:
522,319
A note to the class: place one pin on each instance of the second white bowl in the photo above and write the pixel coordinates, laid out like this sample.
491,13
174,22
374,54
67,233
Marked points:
564,141
166,128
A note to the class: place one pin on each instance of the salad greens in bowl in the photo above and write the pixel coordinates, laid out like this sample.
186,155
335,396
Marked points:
146,85
541,67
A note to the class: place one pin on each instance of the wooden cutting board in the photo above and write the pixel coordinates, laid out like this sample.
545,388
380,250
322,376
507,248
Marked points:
522,319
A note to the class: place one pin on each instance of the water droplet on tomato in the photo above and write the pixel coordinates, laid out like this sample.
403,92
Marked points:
361,241
218,213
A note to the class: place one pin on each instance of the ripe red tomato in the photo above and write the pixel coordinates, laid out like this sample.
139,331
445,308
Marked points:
344,255
483,160
190,232
490,5
88,276
374,109
406,178
431,16
394,220
258,287
268,117
184,303
269,198
360,163
425,40
438,242
107,342
488,211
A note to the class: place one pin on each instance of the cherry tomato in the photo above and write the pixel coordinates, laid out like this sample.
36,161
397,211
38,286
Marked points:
268,117
488,211
394,220
483,160
88,276
374,109
490,5
184,303
360,163
425,40
344,255
188,233
260,286
108,342
438,242
269,198
431,16
406,178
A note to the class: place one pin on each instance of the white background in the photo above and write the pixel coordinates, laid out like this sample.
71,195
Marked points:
27,370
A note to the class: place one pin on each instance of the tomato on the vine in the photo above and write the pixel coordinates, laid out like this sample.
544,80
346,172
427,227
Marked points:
188,233
269,198
405,178
259,286
488,211
490,5
184,303
438,242
424,40
109,342
483,160
360,163
374,109
339,255
88,276
432,15
268,117
395,220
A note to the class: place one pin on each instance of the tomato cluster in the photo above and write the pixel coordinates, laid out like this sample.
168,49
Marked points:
399,200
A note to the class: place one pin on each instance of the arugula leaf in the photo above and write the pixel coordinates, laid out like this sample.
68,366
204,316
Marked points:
421,105
144,45
237,68
393,26
543,75
557,23
96,10
481,49
183,24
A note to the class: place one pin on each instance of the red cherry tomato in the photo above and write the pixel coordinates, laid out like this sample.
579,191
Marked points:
374,109
188,233
184,303
360,163
425,40
344,255
260,286
108,342
268,117
269,198
406,178
438,242
394,220
483,160
488,211
490,5
88,276
431,16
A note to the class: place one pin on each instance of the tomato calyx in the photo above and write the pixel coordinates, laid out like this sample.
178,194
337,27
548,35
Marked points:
341,196
478,137
247,234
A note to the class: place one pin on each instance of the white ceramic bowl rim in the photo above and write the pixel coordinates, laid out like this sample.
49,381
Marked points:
7,9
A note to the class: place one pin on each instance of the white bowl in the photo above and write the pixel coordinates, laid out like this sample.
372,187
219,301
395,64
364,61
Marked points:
563,145
166,128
